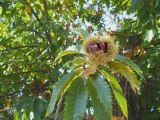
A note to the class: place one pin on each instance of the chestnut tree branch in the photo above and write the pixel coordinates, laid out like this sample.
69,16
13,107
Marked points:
46,9
47,34
59,106
11,94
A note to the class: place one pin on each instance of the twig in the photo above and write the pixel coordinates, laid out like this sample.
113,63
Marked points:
36,32
29,46
46,9
59,106
31,71
48,35
26,72
11,94
36,16
49,38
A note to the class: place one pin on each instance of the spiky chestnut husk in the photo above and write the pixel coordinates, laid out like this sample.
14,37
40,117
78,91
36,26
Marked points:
100,50
46,95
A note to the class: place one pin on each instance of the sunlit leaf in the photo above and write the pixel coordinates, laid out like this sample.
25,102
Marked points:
104,94
60,86
27,9
17,115
76,100
126,72
78,62
118,93
64,53
100,112
130,63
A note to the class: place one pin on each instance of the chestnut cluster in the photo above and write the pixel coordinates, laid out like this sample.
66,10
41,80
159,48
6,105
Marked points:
99,49
95,47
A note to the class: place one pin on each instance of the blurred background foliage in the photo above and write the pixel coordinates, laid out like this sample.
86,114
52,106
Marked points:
33,32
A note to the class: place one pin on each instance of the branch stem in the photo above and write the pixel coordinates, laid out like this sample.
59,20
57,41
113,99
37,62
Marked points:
59,106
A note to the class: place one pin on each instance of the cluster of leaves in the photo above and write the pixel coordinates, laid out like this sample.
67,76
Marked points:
32,33
93,87
150,87
142,32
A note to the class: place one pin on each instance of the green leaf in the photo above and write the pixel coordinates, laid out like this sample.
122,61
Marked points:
104,94
16,115
28,107
100,112
64,53
118,93
76,101
39,107
78,61
126,72
60,86
134,6
130,63
83,33
23,105
124,2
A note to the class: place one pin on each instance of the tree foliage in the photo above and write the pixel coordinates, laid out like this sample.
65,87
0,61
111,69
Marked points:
35,57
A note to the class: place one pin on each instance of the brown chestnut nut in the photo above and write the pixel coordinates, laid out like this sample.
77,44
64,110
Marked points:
103,46
92,48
